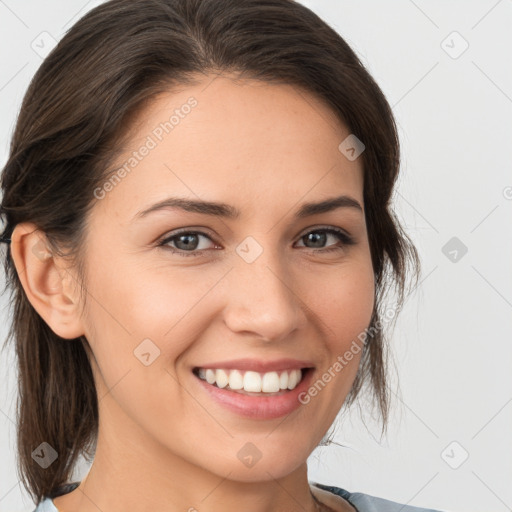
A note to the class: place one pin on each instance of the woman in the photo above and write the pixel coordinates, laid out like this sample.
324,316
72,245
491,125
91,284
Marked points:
197,205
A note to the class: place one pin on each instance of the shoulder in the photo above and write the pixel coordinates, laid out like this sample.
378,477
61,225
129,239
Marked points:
368,503
47,505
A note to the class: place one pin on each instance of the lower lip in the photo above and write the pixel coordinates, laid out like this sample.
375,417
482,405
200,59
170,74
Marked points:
259,407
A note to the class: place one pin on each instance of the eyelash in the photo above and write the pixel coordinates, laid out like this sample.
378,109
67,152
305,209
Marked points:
342,236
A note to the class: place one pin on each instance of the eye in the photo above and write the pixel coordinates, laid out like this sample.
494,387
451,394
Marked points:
187,243
319,237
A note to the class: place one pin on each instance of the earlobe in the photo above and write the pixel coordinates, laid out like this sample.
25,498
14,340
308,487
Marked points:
49,286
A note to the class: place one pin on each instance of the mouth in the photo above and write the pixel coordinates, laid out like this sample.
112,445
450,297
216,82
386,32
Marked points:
252,383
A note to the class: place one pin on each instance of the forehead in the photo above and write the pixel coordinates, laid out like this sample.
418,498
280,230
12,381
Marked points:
243,142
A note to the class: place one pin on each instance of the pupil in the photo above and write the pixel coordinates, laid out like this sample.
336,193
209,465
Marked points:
317,237
187,244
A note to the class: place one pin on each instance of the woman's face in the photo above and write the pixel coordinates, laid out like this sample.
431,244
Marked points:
263,291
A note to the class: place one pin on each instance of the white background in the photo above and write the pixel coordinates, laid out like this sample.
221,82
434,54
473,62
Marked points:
452,344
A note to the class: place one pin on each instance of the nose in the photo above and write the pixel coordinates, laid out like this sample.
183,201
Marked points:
261,300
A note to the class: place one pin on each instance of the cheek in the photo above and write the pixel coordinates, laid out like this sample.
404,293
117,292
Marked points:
343,308
149,312
345,302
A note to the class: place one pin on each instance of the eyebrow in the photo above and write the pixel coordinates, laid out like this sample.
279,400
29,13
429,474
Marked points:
227,211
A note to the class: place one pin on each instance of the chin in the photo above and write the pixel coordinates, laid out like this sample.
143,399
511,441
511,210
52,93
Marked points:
276,465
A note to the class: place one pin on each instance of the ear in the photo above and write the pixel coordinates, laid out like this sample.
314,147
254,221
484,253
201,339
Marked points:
49,286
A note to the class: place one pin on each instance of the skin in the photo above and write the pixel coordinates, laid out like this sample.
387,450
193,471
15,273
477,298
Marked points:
163,443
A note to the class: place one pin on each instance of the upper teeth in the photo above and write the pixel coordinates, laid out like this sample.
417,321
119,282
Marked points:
270,382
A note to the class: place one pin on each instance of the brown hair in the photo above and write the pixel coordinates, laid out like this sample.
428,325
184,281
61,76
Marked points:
78,105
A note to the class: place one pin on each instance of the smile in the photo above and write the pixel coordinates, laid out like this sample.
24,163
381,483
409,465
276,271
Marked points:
251,382
250,399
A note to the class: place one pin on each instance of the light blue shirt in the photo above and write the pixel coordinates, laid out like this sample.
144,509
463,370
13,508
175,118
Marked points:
360,501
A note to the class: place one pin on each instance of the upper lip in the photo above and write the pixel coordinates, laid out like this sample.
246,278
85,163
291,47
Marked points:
258,365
